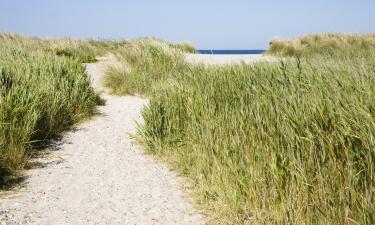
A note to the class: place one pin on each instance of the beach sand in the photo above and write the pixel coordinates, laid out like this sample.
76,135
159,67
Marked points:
227,59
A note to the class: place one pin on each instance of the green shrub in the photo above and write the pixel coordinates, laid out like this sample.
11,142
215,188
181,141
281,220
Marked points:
81,56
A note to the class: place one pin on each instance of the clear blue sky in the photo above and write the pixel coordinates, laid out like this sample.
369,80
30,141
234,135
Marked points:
217,24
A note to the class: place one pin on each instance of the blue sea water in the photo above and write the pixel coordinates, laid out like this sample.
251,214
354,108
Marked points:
231,52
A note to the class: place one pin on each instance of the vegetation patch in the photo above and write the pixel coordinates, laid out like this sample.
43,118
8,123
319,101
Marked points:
145,63
288,142
41,95
327,43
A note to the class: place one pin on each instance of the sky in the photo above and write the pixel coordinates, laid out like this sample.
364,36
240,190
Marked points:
207,24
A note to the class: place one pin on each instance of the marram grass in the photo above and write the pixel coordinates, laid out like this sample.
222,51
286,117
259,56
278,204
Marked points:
326,43
291,142
41,94
84,51
145,63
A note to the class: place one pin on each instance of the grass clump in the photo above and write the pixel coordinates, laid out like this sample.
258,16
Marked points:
290,142
145,62
41,94
84,51
327,43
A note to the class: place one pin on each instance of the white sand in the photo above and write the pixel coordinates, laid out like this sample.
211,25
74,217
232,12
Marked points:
226,59
98,175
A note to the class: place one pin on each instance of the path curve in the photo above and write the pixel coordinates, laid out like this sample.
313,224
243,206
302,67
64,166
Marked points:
99,176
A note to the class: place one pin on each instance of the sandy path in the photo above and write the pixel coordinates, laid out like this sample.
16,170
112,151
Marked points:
227,59
99,176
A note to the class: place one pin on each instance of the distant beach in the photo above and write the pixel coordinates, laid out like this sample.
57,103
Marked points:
223,59
231,52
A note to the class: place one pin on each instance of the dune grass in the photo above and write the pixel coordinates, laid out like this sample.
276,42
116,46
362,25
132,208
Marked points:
41,95
326,43
84,51
145,63
290,142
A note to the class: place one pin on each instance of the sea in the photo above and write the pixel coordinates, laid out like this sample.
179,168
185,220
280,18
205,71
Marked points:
231,52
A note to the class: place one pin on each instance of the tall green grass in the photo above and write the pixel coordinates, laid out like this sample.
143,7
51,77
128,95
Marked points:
41,94
291,142
84,51
326,43
144,63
